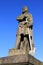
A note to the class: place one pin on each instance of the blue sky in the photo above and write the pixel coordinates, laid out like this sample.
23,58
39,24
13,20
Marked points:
9,10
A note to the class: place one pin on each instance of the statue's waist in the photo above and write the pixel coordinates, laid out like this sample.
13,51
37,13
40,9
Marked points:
23,24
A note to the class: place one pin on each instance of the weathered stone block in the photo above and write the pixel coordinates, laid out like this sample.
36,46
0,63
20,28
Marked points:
23,59
16,52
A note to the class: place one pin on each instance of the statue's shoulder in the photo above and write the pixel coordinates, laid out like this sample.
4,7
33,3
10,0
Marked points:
20,17
29,14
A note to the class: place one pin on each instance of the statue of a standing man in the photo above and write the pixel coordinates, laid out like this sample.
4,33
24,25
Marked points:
24,33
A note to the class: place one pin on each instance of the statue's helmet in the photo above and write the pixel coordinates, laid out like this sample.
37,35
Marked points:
25,9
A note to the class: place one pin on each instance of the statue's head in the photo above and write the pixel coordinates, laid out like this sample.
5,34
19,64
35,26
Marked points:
25,9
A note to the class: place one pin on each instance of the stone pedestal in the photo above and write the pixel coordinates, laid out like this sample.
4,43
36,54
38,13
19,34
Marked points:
17,52
23,59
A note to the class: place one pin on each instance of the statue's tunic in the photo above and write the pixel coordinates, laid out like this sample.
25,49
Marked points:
23,24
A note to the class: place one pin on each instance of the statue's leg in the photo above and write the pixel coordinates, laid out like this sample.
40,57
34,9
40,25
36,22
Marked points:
21,46
17,42
18,38
25,43
22,41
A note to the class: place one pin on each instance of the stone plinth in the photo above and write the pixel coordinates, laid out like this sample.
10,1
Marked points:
23,59
16,52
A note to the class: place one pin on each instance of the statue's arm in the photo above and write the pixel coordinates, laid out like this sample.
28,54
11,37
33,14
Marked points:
30,20
20,17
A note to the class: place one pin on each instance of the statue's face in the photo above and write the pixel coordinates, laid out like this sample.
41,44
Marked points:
25,9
